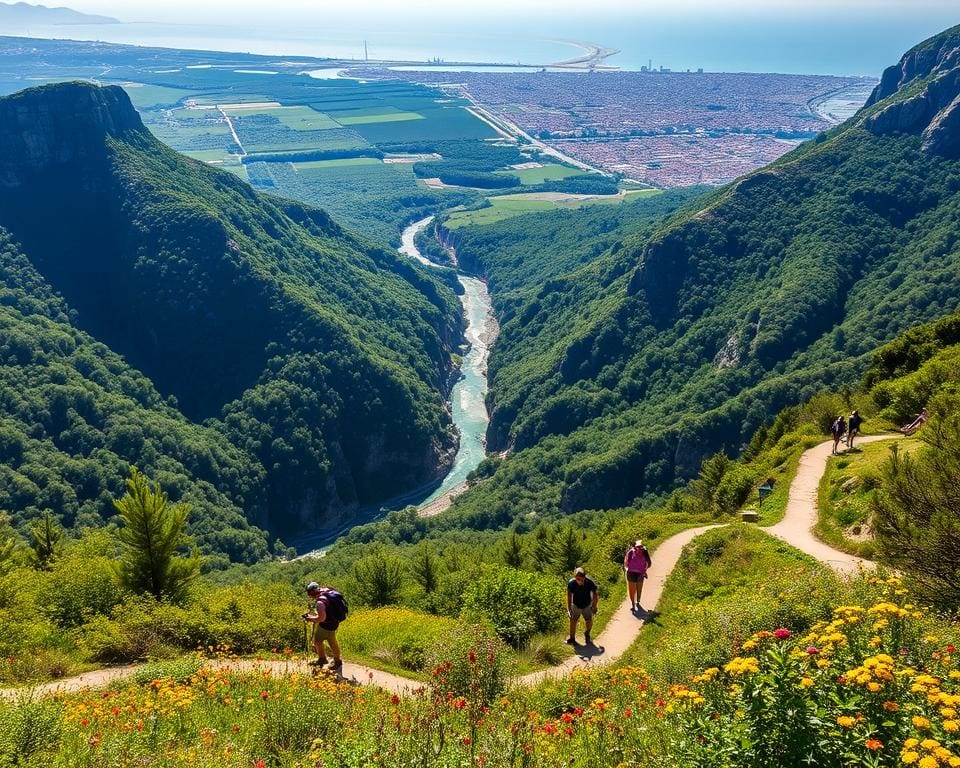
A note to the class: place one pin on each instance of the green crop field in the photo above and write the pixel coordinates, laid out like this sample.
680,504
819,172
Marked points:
151,96
383,117
339,162
191,130
438,124
550,172
264,133
295,118
506,206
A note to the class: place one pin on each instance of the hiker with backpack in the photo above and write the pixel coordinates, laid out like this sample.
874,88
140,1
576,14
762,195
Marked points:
635,563
838,429
853,427
328,609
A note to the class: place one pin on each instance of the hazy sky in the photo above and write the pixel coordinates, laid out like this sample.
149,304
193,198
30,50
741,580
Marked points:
852,37
227,11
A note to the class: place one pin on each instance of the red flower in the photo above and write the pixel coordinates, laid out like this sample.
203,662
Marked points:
812,650
782,634
261,763
472,657
394,699
264,695
951,648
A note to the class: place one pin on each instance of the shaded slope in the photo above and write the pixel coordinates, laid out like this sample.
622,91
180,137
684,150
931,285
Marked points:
321,357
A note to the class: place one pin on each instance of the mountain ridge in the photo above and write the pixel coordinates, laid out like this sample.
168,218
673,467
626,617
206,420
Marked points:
26,13
322,357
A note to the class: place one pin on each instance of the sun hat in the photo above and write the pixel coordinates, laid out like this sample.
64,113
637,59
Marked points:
579,572
638,543
312,587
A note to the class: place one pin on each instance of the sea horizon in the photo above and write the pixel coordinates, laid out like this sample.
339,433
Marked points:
808,47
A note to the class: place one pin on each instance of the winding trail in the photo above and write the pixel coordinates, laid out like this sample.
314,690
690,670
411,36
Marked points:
620,631
796,528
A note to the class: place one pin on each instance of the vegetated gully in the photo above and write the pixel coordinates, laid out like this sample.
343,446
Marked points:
467,404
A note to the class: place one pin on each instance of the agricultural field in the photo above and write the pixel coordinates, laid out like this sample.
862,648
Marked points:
543,173
507,206
192,130
374,198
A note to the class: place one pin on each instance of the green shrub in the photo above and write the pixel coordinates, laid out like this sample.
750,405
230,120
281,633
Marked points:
397,636
517,604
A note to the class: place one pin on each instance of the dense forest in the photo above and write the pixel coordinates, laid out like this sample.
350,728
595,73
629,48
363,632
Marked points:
261,362
617,372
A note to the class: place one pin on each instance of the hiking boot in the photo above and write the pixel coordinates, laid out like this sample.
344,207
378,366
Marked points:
321,662
336,666
586,638
570,641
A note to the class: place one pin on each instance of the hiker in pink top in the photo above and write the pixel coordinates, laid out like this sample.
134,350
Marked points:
635,563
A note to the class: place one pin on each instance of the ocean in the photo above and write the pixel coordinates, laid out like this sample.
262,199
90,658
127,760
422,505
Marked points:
841,43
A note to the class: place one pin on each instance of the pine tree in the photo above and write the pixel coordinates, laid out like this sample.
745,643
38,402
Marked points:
512,552
916,511
569,550
47,540
152,535
426,567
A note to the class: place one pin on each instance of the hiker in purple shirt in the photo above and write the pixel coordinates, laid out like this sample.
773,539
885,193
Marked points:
636,562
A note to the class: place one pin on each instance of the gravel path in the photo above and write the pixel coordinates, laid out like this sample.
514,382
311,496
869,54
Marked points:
621,630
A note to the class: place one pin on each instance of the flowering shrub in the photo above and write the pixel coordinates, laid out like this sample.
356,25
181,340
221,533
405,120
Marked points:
865,688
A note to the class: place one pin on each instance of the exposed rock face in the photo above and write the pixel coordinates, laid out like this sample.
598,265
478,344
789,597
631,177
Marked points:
935,111
941,52
57,125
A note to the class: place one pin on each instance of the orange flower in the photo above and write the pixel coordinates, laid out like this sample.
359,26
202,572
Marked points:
874,744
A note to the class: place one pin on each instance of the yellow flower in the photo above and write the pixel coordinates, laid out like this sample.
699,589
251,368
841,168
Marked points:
845,721
951,726
929,762
909,758
807,682
920,723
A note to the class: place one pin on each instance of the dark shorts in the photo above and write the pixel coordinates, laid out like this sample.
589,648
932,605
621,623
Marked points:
635,578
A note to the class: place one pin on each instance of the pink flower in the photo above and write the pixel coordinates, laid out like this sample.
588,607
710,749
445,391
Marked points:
782,634
812,650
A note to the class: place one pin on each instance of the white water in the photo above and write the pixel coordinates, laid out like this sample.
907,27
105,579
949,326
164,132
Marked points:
467,400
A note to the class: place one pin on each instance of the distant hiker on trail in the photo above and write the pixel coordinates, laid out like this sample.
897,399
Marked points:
837,429
853,427
329,609
582,600
918,422
635,563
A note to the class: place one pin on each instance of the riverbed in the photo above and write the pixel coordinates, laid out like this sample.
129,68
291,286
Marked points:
467,408
467,400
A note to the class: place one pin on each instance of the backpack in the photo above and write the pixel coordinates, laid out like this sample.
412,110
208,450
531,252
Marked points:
336,605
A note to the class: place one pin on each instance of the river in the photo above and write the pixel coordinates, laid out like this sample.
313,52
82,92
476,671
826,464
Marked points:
467,407
467,404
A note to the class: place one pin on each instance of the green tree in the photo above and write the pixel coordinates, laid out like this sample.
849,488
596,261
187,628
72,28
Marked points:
8,543
569,549
512,552
426,567
152,536
916,512
47,540
703,490
380,579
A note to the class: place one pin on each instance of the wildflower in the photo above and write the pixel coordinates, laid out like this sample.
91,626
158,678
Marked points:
929,762
806,682
845,721
812,650
909,758
873,744
920,723
782,634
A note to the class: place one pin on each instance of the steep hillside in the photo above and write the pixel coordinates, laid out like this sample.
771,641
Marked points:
320,358
667,348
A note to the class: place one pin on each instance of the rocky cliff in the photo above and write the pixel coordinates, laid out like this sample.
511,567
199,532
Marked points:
60,125
932,70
